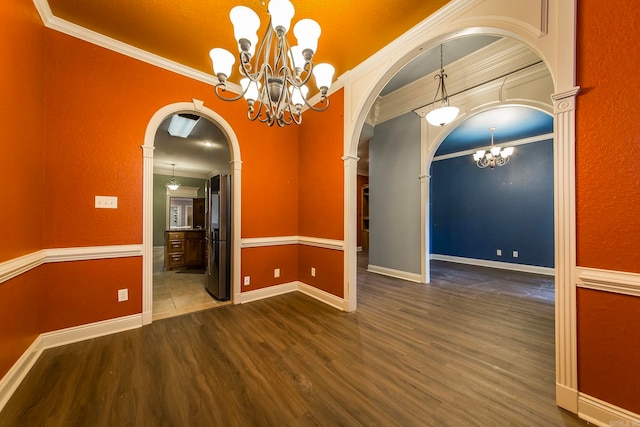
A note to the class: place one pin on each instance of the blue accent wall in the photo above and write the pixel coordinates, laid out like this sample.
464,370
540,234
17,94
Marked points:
476,211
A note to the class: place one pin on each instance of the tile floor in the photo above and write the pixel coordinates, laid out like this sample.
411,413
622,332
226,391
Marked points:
178,293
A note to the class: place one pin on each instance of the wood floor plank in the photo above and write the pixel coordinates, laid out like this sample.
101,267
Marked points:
473,348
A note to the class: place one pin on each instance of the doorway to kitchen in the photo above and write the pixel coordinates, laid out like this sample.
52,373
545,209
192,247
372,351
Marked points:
176,260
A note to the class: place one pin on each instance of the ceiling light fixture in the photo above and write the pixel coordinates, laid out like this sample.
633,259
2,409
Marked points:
276,77
182,124
173,183
444,114
494,156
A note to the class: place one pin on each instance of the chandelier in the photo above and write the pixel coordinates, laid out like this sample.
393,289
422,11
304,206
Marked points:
274,82
444,114
173,183
494,156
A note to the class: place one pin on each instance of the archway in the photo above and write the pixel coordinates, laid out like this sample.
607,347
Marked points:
550,33
147,239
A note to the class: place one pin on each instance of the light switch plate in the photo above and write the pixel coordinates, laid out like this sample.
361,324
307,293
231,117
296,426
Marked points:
106,202
123,295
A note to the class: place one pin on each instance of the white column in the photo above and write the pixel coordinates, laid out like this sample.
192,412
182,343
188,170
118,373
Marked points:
236,236
565,250
147,234
350,227
424,228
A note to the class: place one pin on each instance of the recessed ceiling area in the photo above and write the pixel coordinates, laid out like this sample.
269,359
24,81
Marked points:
511,123
202,153
429,62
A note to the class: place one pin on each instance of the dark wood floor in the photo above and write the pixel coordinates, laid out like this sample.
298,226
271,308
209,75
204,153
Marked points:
474,347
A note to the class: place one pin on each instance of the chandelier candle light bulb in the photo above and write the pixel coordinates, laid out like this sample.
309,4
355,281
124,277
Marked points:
274,73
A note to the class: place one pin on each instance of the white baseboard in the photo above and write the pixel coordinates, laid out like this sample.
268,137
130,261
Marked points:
567,398
285,288
605,414
496,264
398,274
269,292
91,330
12,379
322,296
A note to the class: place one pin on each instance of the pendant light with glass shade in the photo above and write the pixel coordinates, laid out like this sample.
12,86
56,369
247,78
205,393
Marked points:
444,114
173,183
275,74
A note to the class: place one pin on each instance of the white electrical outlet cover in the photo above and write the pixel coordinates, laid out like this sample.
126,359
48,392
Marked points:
247,280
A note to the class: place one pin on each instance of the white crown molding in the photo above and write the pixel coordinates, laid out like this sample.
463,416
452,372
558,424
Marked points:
15,267
398,274
53,22
505,57
514,143
12,379
496,264
604,414
164,171
609,281
257,242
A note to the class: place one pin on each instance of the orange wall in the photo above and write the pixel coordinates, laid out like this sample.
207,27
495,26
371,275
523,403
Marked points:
608,192
269,180
259,265
22,148
329,269
75,293
608,343
322,171
322,194
21,119
608,197
21,306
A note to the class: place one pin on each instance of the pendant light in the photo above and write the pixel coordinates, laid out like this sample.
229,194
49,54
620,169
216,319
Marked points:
444,114
173,184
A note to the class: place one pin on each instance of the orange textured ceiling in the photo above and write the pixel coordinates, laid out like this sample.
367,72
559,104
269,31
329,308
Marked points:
185,30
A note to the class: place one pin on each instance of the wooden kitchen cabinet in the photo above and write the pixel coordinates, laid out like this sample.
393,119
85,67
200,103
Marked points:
184,249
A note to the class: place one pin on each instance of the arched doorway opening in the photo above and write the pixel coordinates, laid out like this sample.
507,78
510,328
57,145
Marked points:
558,57
195,107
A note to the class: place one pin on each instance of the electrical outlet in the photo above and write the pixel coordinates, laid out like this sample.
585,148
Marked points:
106,202
313,272
247,280
276,272
123,295
499,252
515,254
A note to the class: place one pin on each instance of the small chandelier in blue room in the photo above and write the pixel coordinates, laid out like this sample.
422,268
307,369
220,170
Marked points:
493,156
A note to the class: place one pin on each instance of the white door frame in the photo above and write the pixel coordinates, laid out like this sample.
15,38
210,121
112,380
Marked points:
196,107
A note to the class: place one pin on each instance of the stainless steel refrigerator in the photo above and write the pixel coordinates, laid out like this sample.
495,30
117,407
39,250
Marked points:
218,225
